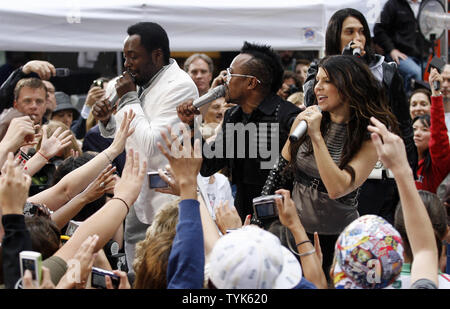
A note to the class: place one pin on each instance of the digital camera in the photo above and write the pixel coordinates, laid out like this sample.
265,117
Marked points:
98,278
265,206
32,261
155,181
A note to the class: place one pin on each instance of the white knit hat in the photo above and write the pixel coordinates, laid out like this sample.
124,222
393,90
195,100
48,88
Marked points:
252,258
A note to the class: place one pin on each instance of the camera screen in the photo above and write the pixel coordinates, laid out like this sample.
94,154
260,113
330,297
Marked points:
31,265
98,281
156,181
265,210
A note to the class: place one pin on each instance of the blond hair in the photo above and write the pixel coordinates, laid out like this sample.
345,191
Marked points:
165,221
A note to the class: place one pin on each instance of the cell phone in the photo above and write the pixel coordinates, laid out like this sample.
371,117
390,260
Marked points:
98,83
32,261
72,227
439,65
98,278
155,181
24,155
62,72
265,206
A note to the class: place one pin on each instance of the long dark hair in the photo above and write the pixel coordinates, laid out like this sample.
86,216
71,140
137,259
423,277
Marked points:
426,121
364,94
334,30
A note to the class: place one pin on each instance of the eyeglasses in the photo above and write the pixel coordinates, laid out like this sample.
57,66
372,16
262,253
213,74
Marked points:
229,75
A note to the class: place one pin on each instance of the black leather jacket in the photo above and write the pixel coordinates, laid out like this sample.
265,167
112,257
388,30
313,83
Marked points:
397,100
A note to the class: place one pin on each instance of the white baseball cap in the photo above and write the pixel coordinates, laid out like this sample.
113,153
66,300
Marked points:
252,258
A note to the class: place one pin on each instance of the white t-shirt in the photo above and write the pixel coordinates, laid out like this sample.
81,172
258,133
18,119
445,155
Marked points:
219,190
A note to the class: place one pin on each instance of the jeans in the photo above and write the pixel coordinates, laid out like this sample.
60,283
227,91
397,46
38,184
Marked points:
410,69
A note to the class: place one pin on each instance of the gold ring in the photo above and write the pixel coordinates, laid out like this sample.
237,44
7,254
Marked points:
102,184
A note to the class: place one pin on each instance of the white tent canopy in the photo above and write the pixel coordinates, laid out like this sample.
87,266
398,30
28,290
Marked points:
192,25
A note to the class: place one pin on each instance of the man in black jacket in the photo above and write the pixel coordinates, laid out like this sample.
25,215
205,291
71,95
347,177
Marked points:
35,68
255,130
378,195
399,35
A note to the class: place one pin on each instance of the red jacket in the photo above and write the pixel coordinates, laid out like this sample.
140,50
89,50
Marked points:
439,148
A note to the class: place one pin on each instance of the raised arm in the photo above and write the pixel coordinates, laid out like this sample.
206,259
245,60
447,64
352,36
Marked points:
391,151
309,256
107,219
34,68
50,146
77,180
20,131
102,184
187,258
439,145
14,186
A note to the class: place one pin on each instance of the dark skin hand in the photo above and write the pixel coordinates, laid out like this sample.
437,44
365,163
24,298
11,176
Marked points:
186,112
125,84
102,110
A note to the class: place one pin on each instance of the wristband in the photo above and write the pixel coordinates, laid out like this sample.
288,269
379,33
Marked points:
42,155
303,242
118,198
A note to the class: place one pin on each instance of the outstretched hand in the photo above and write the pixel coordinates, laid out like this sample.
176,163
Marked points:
184,161
51,146
118,144
227,218
14,187
101,185
21,131
130,184
80,267
390,147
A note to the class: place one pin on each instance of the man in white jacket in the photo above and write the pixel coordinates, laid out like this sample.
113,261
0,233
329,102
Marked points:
152,86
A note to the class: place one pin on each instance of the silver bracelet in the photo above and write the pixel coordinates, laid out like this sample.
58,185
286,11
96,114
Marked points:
308,253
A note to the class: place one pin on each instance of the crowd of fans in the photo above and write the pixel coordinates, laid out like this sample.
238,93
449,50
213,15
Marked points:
74,184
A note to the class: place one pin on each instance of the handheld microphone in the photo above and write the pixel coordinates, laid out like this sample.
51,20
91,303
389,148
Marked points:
300,130
211,95
357,52
351,51
114,99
